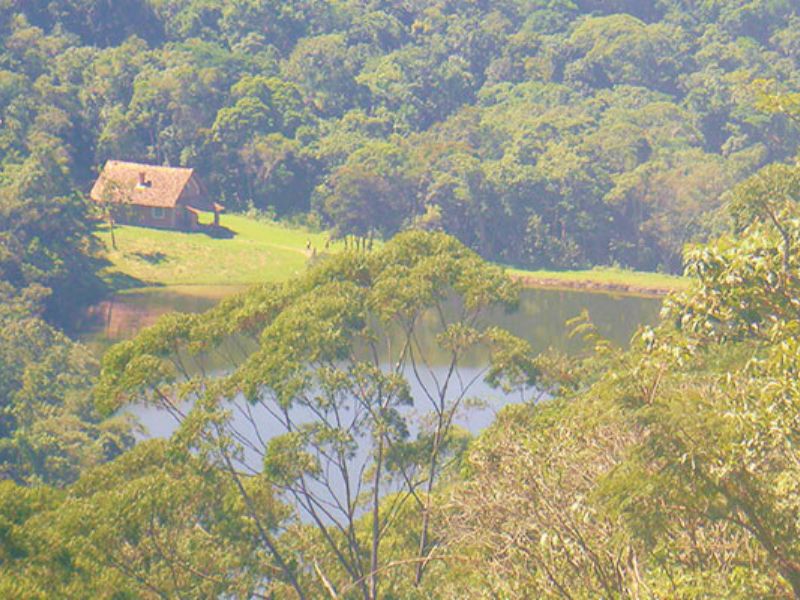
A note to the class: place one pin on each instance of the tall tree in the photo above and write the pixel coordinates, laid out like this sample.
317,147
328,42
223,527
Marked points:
319,409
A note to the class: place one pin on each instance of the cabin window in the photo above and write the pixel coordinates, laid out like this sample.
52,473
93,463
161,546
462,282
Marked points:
158,212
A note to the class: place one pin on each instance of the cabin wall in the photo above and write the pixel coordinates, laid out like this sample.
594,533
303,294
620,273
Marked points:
194,194
162,218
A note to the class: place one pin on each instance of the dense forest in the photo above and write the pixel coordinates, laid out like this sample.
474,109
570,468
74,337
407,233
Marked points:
550,133
669,470
316,452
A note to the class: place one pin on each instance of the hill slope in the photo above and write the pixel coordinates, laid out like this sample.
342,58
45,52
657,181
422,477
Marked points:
258,251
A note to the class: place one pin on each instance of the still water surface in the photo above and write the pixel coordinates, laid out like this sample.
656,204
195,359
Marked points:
540,319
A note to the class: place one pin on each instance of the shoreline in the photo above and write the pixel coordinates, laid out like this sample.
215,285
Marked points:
594,286
588,286
570,281
150,260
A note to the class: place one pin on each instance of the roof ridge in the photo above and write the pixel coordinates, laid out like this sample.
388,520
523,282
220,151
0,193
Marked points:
147,165
165,186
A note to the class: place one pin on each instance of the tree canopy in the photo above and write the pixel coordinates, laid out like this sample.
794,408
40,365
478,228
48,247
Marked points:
599,132
314,449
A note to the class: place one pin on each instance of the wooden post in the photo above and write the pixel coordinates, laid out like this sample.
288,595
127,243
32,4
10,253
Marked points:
218,208
111,227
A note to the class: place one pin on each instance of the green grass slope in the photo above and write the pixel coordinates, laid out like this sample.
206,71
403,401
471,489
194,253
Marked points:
258,251
262,251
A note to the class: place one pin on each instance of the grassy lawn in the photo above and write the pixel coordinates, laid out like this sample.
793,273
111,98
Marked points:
262,251
607,276
258,251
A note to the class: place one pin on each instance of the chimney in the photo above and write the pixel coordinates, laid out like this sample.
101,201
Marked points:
142,180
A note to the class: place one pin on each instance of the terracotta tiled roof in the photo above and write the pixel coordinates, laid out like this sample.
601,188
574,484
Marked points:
162,187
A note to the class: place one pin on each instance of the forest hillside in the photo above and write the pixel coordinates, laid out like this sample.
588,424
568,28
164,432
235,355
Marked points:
319,434
544,133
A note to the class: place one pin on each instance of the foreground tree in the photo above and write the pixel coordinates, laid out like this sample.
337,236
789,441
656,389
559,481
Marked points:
49,430
151,524
673,472
316,401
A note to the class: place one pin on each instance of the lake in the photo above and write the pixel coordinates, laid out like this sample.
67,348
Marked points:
540,319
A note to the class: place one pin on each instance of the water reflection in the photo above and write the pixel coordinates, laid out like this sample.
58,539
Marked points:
542,316
540,319
124,315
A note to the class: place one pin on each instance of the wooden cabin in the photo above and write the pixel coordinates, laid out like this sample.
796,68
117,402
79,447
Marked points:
153,196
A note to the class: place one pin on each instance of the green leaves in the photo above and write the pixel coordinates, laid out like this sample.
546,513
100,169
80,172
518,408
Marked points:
49,430
680,455
512,365
235,124
771,196
337,402
286,460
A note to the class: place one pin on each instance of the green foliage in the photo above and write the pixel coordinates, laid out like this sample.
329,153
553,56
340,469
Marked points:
317,404
148,523
541,134
46,244
670,470
49,430
546,134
